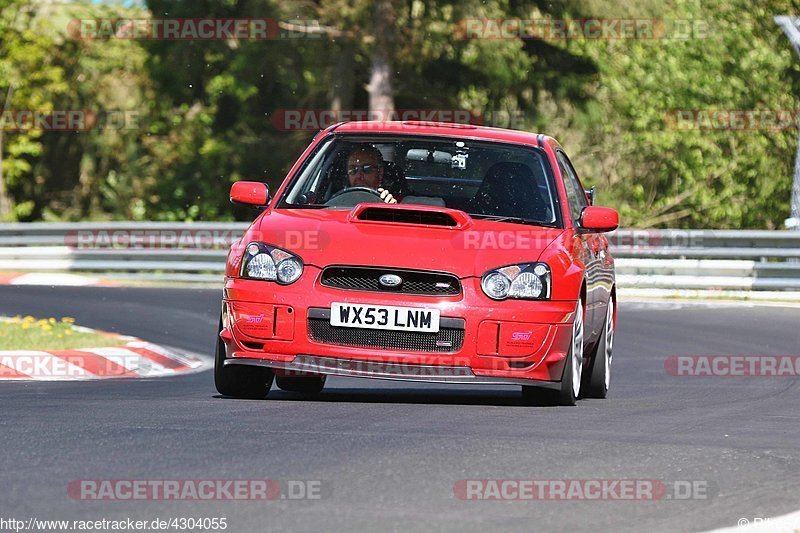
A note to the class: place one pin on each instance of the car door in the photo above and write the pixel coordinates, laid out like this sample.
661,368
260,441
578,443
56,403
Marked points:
590,246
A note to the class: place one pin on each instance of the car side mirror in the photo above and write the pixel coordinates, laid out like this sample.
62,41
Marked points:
252,193
590,194
599,219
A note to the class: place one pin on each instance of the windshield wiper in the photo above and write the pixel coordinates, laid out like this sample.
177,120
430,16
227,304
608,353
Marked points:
304,206
513,220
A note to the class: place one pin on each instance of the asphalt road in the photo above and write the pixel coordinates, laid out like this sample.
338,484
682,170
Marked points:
387,455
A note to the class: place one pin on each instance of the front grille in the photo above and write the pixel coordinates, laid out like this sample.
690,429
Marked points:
414,281
449,338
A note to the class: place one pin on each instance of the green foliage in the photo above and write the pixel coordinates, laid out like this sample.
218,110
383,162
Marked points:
66,175
660,174
202,110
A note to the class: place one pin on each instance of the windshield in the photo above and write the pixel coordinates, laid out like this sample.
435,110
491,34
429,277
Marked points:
485,179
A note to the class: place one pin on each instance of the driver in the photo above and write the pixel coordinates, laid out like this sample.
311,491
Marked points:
365,169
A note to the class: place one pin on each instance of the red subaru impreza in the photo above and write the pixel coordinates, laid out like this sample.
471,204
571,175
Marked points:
430,252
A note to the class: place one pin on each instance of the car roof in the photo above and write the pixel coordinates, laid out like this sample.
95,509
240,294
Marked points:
439,129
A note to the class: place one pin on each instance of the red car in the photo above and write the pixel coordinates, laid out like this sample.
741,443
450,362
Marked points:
433,252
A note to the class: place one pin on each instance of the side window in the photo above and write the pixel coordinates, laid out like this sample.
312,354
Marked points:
575,194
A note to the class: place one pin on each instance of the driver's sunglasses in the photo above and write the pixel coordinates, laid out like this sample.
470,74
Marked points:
366,169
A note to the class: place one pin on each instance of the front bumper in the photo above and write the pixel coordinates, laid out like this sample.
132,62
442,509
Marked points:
510,342
304,365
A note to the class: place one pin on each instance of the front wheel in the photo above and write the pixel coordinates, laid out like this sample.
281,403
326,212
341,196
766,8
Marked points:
573,367
573,370
239,381
600,375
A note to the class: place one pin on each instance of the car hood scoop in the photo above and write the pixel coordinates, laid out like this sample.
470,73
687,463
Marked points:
418,215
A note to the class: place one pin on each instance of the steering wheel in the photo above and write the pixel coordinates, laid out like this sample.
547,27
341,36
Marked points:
352,196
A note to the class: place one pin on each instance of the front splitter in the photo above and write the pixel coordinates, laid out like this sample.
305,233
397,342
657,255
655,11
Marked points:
312,364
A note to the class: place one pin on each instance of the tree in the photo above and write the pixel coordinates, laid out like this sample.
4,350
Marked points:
27,81
205,107
661,173
384,20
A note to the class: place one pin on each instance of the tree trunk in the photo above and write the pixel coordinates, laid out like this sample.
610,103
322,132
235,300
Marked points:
381,96
343,86
5,202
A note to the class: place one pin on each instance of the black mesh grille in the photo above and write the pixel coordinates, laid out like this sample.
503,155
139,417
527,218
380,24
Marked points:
445,341
407,216
414,282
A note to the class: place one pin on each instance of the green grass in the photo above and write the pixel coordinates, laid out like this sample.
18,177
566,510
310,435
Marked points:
29,333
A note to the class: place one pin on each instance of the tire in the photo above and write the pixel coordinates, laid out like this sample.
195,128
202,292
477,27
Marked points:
312,385
240,381
599,376
573,369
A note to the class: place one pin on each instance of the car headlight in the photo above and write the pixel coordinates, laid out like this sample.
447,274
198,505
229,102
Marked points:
527,281
263,261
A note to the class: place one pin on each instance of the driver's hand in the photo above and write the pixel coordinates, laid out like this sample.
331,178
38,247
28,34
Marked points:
386,196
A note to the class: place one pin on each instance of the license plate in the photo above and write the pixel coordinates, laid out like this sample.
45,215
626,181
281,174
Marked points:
385,317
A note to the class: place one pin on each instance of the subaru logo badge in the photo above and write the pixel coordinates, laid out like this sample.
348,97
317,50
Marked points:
390,280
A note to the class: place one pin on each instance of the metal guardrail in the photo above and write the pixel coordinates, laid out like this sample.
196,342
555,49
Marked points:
707,259
169,251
